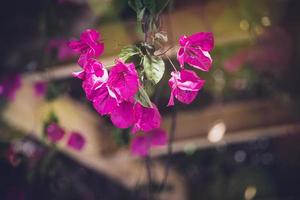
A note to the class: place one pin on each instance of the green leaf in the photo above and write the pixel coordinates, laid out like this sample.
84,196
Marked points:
127,52
149,87
154,68
143,98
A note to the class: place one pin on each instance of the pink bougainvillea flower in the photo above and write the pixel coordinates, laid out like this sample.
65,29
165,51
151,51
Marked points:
124,80
88,46
91,66
94,76
105,100
123,115
40,88
9,86
147,119
141,144
184,85
76,141
54,132
194,50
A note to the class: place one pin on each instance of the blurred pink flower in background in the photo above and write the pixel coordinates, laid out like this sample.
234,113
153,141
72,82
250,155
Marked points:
9,86
54,132
76,141
40,88
63,52
141,144
272,52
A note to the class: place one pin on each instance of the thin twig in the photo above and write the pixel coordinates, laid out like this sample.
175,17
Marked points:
171,63
171,47
170,148
149,175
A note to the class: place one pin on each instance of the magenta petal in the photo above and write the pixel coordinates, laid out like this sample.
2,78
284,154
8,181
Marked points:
54,132
103,102
88,45
147,119
92,82
203,39
77,46
80,74
185,86
123,79
140,146
185,96
171,99
90,38
83,58
123,115
158,137
76,141
93,66
198,59
181,57
183,40
195,49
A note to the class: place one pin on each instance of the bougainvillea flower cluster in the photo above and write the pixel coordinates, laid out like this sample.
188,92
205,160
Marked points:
114,93
194,51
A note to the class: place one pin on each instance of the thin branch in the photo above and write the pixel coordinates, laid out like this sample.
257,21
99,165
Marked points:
149,175
171,47
171,63
170,148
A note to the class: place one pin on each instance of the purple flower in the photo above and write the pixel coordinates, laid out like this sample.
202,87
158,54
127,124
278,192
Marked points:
9,86
184,85
124,80
88,46
76,141
40,88
54,132
147,119
141,144
194,50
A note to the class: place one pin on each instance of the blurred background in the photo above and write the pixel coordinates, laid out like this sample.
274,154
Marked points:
238,140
